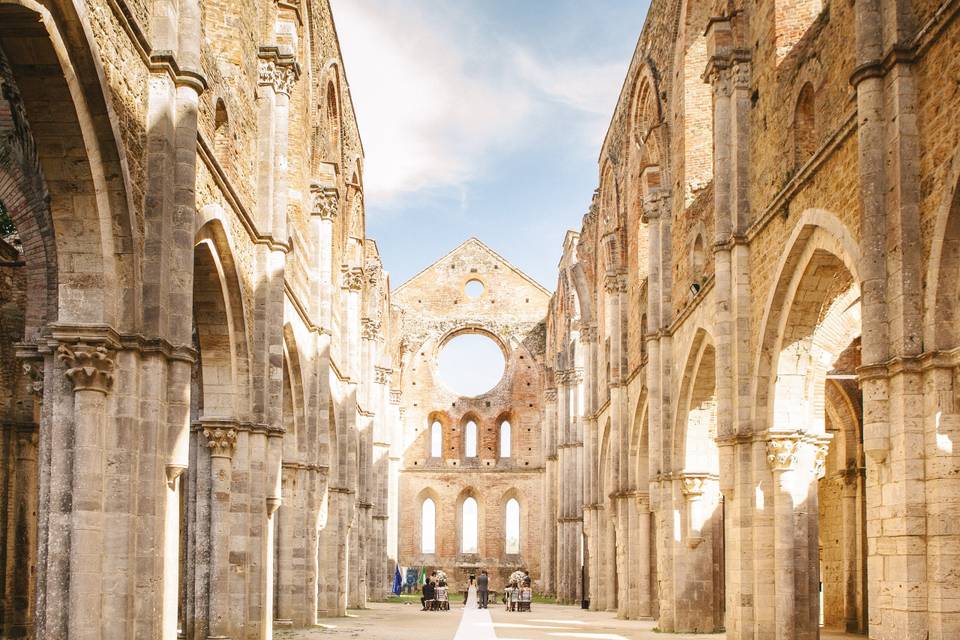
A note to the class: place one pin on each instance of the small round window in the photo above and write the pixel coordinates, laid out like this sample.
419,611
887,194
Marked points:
474,289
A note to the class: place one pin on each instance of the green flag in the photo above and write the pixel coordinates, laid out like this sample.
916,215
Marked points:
423,576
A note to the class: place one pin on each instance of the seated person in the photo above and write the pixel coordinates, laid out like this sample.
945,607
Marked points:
429,593
525,598
442,596
510,596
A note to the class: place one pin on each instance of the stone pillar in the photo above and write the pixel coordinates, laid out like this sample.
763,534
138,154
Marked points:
20,587
221,442
90,368
551,512
642,567
171,549
796,461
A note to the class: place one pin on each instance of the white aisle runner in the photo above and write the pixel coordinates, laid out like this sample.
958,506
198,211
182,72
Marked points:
476,624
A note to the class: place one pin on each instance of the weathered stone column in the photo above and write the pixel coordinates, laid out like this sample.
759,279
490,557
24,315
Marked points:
20,589
171,549
90,368
796,460
551,511
642,567
273,501
221,440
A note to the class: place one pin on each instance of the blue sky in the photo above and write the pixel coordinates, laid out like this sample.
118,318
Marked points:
482,118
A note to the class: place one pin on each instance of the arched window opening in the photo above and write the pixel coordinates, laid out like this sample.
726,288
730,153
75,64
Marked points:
436,440
469,524
646,115
793,18
333,123
221,130
608,197
505,439
698,259
804,126
8,231
512,526
470,440
428,527
697,98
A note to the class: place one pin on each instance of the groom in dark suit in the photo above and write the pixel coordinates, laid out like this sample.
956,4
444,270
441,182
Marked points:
483,590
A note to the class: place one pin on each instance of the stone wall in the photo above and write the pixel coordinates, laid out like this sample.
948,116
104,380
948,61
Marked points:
821,315
434,308
197,345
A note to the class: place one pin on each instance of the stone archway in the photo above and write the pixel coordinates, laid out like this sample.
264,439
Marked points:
809,413
68,277
219,410
698,551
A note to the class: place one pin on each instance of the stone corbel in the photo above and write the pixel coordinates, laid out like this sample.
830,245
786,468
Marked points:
173,473
693,486
273,503
325,201
90,367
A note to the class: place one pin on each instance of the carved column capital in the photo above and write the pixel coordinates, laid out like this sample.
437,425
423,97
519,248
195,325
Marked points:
221,441
783,451
395,396
325,201
352,278
821,445
588,333
277,68
369,328
614,283
382,375
372,270
693,484
89,367
35,374
550,394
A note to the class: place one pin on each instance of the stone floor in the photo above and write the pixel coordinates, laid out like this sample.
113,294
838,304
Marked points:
546,622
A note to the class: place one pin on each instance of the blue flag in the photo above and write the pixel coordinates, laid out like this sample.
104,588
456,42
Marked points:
396,581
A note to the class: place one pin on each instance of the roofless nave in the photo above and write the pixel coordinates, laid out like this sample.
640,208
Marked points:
738,410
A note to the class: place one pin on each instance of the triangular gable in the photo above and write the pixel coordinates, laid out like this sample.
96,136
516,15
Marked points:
458,249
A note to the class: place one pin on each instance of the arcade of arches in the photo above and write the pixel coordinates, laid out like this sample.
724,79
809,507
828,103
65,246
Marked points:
738,411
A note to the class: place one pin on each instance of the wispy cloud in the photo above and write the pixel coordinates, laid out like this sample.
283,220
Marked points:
440,96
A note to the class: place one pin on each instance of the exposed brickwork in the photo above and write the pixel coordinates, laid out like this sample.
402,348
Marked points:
434,307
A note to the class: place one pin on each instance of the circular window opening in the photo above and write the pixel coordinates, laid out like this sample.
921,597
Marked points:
474,289
470,364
